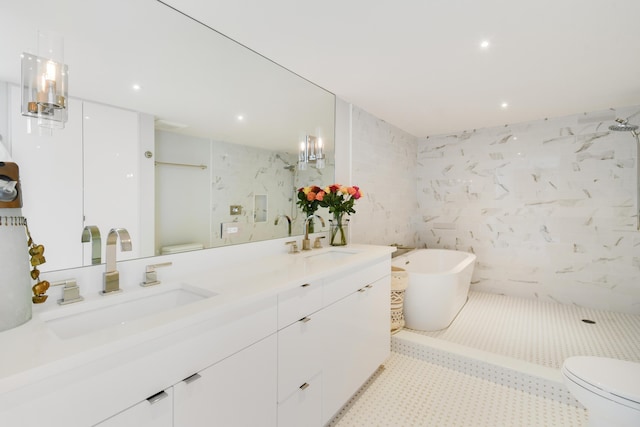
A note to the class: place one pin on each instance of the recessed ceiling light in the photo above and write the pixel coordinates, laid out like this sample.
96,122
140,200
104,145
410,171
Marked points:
504,105
136,87
240,117
484,44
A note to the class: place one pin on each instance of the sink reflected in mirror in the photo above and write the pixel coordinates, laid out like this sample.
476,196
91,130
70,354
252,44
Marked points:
119,310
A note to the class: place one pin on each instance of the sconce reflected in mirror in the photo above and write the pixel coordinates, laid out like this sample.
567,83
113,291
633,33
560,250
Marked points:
44,83
311,151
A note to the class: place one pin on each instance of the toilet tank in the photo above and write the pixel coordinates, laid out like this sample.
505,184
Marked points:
185,247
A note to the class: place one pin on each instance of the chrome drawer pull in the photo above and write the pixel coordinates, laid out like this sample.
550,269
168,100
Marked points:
362,290
305,285
192,378
304,319
157,397
369,286
304,386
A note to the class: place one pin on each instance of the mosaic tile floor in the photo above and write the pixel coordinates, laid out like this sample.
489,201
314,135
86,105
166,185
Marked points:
431,387
412,392
544,333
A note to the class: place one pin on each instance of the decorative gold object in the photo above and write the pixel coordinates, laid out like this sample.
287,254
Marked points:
37,258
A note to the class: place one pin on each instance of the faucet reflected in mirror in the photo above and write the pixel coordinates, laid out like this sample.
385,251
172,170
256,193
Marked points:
91,233
288,218
111,277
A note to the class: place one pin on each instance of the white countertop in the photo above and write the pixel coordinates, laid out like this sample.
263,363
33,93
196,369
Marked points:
33,352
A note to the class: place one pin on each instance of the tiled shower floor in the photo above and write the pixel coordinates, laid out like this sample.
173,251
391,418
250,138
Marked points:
496,365
543,333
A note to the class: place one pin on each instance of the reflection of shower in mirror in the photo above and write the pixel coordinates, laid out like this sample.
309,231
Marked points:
293,214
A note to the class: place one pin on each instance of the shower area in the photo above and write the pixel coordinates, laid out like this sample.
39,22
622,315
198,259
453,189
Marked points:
550,207
623,125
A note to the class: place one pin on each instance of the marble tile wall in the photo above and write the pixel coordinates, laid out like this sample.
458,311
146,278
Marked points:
241,172
384,160
235,174
548,207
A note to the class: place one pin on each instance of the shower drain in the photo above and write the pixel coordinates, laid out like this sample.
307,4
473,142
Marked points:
589,321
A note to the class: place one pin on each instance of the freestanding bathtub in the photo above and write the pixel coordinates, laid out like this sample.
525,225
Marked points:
439,281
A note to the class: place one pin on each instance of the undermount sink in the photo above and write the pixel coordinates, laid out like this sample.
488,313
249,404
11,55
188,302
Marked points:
118,310
332,255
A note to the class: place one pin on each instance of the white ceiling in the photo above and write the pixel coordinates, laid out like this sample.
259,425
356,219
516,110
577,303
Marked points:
418,64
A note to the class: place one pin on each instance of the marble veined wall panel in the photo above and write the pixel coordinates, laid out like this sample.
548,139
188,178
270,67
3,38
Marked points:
549,207
384,166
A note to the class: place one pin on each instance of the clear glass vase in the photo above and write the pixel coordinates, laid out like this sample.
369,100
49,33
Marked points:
338,230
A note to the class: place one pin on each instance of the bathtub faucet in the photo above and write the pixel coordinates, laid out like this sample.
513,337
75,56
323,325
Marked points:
400,249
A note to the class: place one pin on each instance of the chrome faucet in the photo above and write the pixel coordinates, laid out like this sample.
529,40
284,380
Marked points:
91,233
111,277
288,221
306,243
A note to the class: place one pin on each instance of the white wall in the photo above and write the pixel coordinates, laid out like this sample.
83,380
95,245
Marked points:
547,206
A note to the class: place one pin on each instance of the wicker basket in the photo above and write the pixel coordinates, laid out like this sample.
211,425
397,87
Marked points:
399,283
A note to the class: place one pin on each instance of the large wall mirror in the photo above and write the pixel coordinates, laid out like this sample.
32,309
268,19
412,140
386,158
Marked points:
175,132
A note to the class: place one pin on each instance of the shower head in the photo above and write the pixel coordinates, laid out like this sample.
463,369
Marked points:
288,166
623,126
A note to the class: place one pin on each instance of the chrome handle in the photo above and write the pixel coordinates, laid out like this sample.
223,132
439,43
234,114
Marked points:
304,386
67,283
369,286
150,275
192,378
305,285
152,267
70,293
304,319
157,397
294,247
362,290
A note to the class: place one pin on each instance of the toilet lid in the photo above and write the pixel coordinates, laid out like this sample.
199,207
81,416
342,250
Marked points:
613,376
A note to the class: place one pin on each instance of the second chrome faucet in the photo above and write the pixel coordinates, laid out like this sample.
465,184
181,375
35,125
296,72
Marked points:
111,277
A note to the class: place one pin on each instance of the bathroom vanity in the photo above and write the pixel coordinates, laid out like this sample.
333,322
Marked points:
283,340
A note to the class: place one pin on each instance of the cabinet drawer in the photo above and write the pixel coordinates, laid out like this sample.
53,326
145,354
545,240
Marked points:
304,407
156,411
296,303
299,354
340,287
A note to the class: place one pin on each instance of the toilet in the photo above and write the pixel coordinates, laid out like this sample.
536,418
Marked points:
608,388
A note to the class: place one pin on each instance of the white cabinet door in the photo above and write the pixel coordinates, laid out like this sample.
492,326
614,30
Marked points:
299,373
299,354
356,340
303,408
156,411
237,391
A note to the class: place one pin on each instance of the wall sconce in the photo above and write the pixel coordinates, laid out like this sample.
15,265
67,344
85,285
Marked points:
44,83
311,152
